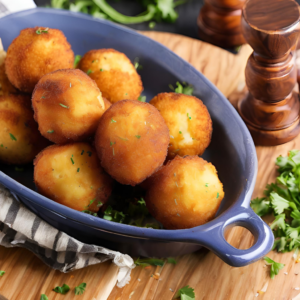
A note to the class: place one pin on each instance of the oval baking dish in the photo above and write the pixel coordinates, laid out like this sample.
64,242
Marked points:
232,150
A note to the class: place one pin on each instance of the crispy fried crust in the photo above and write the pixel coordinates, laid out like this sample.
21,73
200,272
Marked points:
32,55
71,175
131,141
5,86
67,106
114,74
20,140
185,193
189,123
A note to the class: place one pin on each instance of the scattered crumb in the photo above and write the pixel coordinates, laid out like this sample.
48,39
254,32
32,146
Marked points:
72,276
171,290
147,268
260,292
131,294
265,266
257,294
156,276
297,288
264,288
285,273
139,279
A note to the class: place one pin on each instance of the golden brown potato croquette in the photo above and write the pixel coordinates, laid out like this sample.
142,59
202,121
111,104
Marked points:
34,53
184,193
107,104
131,141
67,106
114,74
20,140
189,123
71,175
5,86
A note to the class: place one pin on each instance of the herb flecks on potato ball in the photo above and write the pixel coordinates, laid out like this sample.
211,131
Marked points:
184,193
114,74
34,53
20,140
67,106
71,175
131,141
189,123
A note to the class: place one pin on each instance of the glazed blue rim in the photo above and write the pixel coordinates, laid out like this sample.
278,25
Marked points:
238,213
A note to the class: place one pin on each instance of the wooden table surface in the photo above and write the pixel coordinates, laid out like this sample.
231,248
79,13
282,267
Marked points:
27,277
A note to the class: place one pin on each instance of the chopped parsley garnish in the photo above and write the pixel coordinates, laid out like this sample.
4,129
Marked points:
171,260
190,118
2,145
19,169
89,153
180,132
101,70
40,31
89,72
183,88
123,139
113,215
282,198
79,290
137,65
91,202
275,266
186,293
12,137
218,195
76,60
64,106
72,161
113,121
44,297
99,203
2,273
62,289
142,98
145,262
138,136
78,170
50,131
89,212
206,184
111,143
82,152
152,25
126,94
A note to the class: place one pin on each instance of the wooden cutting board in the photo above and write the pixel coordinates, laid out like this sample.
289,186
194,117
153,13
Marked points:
27,277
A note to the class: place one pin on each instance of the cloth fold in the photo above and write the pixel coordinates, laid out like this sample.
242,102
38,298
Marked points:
19,227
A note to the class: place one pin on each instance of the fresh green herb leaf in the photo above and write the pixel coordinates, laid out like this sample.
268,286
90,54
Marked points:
142,98
190,118
183,88
50,131
101,70
89,212
40,31
186,293
113,121
99,203
206,184
279,204
12,137
113,215
279,222
89,72
261,206
2,273
77,60
44,297
62,289
138,136
79,290
72,161
145,262
89,153
218,195
64,106
78,170
180,132
152,25
171,260
275,267
91,202
82,152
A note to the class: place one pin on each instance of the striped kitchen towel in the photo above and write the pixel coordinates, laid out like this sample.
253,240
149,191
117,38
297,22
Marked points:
19,227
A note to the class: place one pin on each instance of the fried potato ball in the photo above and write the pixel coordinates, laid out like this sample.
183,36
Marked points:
20,140
184,193
189,123
67,106
131,141
71,175
114,74
107,104
34,53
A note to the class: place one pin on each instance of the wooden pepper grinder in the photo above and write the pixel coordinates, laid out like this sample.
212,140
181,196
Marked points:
219,23
271,109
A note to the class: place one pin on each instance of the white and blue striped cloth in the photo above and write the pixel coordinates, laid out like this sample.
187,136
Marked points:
19,227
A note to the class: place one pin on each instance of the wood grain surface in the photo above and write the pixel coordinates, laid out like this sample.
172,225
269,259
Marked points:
27,277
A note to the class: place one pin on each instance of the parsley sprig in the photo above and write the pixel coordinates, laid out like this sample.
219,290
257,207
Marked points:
79,290
62,289
183,88
2,273
275,266
186,293
282,198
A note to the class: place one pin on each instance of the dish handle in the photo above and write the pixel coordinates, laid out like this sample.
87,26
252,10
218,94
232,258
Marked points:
213,238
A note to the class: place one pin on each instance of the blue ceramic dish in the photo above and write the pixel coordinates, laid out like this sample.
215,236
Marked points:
232,150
